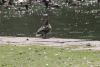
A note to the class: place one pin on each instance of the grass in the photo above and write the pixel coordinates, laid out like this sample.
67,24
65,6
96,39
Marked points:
44,56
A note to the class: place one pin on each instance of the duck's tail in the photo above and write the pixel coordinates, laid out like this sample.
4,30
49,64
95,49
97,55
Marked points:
38,35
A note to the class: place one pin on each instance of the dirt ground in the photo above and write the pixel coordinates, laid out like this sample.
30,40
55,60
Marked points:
28,41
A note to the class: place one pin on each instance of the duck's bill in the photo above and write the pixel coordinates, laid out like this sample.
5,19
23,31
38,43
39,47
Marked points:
38,35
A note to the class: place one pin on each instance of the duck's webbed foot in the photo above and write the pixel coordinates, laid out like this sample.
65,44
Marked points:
45,37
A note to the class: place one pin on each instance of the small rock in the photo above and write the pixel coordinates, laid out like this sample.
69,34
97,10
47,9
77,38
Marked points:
56,54
89,49
46,57
88,44
27,39
84,57
88,62
44,48
39,54
32,52
70,64
36,51
46,64
29,48
65,62
11,49
2,65
44,52
20,53
59,57
91,65
29,58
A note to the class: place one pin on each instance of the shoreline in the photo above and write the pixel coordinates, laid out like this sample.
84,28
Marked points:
60,42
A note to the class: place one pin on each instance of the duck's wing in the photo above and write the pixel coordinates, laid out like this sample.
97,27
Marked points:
44,29
41,29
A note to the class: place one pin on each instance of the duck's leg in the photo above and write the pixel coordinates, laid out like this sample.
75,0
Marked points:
46,36
42,36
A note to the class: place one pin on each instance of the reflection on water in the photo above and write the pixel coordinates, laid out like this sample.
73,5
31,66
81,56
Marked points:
67,21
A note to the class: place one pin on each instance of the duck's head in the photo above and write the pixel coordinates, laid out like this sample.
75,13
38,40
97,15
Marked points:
45,18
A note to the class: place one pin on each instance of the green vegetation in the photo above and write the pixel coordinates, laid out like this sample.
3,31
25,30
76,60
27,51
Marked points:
44,56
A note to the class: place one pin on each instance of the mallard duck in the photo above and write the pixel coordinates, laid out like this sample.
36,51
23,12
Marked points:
45,29
73,3
26,6
22,7
3,1
9,4
48,3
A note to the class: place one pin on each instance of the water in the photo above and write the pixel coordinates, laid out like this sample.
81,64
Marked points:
79,22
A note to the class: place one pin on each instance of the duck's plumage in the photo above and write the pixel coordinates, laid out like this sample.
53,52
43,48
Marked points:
46,28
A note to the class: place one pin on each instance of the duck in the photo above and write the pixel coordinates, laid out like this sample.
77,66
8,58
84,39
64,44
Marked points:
45,29
26,6
3,1
55,5
23,9
9,4
48,3
73,3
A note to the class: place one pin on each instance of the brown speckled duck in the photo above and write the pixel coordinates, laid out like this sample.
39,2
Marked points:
45,29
